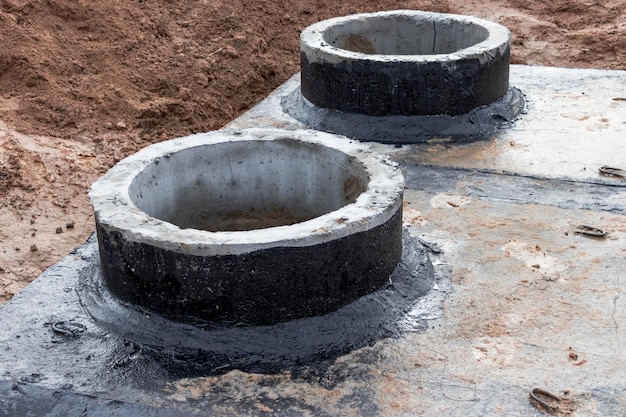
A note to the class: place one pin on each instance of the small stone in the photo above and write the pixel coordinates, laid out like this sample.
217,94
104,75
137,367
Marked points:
69,225
59,230
34,248
120,125
230,52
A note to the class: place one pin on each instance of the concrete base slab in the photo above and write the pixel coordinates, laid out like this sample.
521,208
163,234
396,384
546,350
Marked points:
534,304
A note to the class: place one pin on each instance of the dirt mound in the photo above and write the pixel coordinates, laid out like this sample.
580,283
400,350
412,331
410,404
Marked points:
150,68
156,70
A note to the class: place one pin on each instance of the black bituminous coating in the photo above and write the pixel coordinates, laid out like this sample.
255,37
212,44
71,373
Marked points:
201,346
262,287
405,88
27,399
477,124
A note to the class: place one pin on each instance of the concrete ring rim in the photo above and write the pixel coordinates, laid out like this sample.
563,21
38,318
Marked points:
115,211
312,40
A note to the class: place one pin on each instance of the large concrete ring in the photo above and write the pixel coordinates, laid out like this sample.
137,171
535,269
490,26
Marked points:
404,62
250,227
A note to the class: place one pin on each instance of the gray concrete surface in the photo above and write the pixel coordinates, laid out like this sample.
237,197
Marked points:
531,303
161,195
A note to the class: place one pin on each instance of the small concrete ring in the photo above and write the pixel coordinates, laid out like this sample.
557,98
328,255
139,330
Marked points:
404,62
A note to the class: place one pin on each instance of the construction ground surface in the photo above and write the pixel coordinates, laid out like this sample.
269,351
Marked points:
526,300
84,84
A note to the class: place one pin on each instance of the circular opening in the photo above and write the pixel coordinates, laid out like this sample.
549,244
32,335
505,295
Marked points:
405,35
404,62
247,185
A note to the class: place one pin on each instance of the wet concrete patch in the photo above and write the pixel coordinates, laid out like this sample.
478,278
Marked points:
512,188
26,399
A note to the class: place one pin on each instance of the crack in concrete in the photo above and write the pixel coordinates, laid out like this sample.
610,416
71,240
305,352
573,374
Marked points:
619,344
560,349
434,36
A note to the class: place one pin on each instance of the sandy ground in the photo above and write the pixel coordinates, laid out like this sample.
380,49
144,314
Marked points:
83,84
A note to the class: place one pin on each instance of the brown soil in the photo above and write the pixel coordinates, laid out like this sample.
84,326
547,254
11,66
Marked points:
83,84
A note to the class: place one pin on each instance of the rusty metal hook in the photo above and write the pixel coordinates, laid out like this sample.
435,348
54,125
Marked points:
534,398
612,172
589,231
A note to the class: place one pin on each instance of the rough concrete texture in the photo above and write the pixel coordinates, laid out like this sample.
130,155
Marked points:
362,190
404,62
321,217
534,304
528,287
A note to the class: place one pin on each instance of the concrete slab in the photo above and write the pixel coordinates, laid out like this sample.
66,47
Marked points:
573,123
531,303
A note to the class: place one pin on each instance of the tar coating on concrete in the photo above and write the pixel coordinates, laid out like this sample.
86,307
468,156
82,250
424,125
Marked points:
405,77
23,399
133,355
404,62
501,186
384,313
157,254
262,287
477,124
